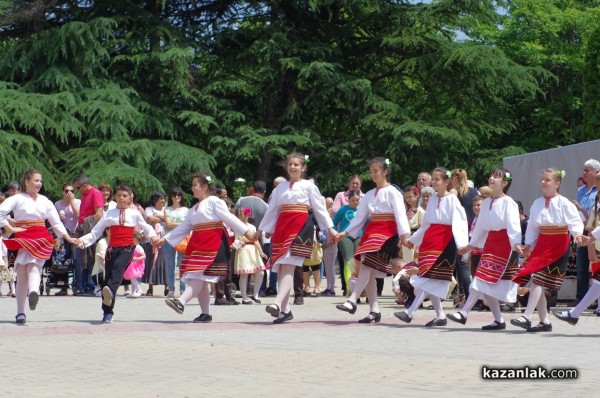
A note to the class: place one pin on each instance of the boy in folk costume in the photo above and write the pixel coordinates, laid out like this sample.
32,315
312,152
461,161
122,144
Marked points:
122,223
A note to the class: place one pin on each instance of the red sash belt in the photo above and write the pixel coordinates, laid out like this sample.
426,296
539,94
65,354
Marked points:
289,223
35,239
377,232
494,260
202,247
435,240
121,235
552,244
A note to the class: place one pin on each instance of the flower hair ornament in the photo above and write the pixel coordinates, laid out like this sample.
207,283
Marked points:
507,176
448,173
560,174
247,211
387,162
306,159
208,180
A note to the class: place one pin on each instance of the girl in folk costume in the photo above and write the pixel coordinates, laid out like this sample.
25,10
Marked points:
122,222
30,237
291,229
381,237
248,258
498,232
551,218
444,229
207,253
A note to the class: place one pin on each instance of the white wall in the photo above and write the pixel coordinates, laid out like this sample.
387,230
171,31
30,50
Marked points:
526,170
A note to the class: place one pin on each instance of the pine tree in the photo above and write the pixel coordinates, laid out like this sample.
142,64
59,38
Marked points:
591,83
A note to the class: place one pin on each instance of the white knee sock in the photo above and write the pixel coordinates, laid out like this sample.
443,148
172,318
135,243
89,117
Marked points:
285,276
204,298
474,295
192,289
535,292
258,279
495,308
419,297
23,288
437,306
372,294
135,285
244,286
592,294
35,277
361,282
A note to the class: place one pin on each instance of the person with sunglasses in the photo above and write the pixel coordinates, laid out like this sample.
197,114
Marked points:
175,214
68,210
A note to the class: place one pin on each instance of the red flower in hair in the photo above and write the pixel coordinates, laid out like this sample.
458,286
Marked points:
247,211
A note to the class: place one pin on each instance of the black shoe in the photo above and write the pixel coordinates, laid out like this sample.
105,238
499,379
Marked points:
541,327
21,319
372,317
403,316
257,301
222,301
593,306
350,310
203,318
436,322
270,292
507,307
33,300
569,319
176,305
247,302
233,301
282,318
495,326
273,309
299,301
457,317
521,322
107,318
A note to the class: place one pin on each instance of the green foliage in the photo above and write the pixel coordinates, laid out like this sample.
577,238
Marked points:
591,80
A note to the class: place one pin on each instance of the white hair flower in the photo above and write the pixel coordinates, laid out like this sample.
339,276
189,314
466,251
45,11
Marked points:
561,174
448,173
306,159
208,179
507,176
387,162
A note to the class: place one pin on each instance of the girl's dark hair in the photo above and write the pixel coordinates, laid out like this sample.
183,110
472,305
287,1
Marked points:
411,188
505,175
126,188
353,194
381,162
443,171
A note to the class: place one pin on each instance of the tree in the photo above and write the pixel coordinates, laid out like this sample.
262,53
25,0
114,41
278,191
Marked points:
591,85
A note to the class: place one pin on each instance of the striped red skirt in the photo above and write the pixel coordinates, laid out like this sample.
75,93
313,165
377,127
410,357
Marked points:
35,239
294,231
497,258
437,253
207,250
547,263
379,243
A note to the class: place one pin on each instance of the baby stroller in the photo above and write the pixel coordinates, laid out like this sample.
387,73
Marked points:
58,270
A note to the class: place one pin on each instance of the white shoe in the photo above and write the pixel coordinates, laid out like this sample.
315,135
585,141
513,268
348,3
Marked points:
136,294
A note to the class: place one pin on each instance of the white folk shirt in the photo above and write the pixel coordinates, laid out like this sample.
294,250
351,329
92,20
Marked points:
380,201
302,192
25,208
133,218
446,210
504,214
560,212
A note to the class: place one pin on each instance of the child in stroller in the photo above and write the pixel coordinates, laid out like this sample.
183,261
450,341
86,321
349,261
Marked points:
58,270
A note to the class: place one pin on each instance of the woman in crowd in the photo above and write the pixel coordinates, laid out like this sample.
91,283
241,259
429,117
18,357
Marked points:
288,223
175,214
156,262
346,246
107,194
551,218
444,229
498,232
415,214
207,254
30,237
384,204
